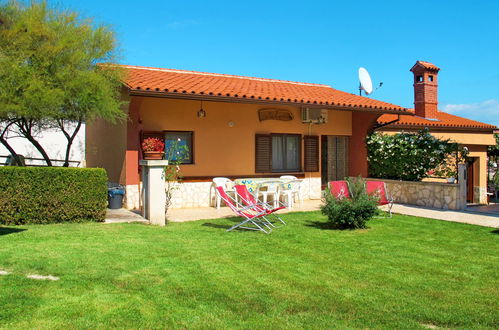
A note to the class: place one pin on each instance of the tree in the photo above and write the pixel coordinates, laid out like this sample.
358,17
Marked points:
55,72
411,156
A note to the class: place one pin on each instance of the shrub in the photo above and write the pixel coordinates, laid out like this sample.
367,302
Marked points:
51,195
409,156
350,213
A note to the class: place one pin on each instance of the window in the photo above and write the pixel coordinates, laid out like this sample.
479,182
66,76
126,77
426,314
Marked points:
178,146
277,153
430,78
419,78
286,153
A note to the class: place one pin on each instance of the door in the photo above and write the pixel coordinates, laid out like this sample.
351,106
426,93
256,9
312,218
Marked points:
470,182
334,158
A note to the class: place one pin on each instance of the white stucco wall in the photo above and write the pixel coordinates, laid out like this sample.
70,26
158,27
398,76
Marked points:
53,142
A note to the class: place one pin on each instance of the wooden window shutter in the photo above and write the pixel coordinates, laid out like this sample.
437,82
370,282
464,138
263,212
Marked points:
311,153
341,157
263,153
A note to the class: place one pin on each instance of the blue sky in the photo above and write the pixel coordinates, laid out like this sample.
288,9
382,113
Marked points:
320,42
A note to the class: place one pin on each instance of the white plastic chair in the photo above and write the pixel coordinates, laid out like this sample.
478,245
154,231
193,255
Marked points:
270,188
291,189
226,184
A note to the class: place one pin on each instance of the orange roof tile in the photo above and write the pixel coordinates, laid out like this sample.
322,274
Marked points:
444,119
238,87
427,65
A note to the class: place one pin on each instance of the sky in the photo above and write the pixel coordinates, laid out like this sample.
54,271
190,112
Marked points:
319,42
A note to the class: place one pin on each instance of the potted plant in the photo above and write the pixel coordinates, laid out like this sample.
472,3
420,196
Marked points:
153,148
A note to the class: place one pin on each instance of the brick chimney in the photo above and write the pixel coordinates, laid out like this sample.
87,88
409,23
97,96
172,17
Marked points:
425,89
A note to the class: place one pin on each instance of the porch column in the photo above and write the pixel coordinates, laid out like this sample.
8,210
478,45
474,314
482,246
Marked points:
362,123
153,181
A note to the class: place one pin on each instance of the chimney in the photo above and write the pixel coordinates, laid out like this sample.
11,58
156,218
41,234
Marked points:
425,89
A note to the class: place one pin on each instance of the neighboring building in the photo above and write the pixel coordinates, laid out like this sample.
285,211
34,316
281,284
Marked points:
474,135
54,142
241,127
248,127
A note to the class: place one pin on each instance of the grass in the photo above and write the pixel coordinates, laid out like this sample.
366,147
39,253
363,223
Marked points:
404,272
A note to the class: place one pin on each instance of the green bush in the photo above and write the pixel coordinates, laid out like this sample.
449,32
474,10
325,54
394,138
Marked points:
350,213
51,195
409,156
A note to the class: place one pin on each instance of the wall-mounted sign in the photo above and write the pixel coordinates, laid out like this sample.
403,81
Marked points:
275,114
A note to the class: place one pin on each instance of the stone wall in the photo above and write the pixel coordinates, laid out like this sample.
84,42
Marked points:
438,195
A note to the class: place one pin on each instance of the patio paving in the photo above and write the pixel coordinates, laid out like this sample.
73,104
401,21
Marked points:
123,215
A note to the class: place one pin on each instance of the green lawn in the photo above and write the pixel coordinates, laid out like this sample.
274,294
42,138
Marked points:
404,272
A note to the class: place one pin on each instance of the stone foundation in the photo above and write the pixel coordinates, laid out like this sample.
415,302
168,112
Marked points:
438,195
200,194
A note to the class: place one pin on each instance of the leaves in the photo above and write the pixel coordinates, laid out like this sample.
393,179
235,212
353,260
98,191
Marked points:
410,156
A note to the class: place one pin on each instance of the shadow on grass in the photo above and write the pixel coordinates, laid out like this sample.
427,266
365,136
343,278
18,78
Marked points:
495,231
233,221
6,230
328,226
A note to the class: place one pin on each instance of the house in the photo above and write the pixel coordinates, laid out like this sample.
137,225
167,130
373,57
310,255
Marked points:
236,127
246,127
474,135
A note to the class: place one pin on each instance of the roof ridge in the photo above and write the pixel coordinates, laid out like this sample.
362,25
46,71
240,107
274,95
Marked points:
221,75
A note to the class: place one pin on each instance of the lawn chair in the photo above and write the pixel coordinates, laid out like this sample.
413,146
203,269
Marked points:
251,214
378,189
291,189
339,189
270,188
227,185
248,199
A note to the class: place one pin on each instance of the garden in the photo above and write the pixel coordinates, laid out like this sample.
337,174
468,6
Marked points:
403,272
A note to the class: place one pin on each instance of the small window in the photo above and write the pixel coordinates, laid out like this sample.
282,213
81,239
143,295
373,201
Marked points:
430,78
419,78
178,146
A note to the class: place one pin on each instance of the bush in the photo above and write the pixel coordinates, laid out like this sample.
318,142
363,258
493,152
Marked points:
408,156
350,213
51,195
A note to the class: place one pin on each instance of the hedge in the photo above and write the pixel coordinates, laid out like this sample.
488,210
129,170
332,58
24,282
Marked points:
51,195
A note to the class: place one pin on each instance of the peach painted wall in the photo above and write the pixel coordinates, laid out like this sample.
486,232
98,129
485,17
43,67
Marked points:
223,150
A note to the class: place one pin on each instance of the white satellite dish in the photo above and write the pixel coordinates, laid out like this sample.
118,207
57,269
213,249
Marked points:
366,83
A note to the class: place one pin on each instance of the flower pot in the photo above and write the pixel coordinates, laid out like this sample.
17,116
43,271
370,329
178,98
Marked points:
150,155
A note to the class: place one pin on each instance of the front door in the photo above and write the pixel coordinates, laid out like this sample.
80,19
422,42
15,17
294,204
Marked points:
334,158
470,184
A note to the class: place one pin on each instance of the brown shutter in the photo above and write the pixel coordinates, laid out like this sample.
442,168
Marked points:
263,153
342,157
311,144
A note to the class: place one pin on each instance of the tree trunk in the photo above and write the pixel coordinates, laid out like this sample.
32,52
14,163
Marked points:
25,127
70,138
14,154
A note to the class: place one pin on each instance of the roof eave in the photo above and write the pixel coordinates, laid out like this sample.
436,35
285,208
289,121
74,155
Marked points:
232,99
395,127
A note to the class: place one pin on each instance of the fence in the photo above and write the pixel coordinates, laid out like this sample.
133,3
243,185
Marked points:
33,161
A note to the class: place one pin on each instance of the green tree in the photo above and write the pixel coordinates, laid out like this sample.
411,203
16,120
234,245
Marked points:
55,72
410,156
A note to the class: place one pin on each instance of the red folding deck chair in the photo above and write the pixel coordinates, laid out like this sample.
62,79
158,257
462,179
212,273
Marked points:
248,199
339,189
378,189
251,214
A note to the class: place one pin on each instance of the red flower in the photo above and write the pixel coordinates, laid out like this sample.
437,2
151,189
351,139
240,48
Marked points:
153,144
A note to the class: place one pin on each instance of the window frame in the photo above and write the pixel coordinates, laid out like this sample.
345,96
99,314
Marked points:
191,148
300,147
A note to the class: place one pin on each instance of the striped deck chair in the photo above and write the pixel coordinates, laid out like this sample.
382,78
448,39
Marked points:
248,199
339,189
378,189
251,214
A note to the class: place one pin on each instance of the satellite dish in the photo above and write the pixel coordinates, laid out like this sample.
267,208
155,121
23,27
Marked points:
366,83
